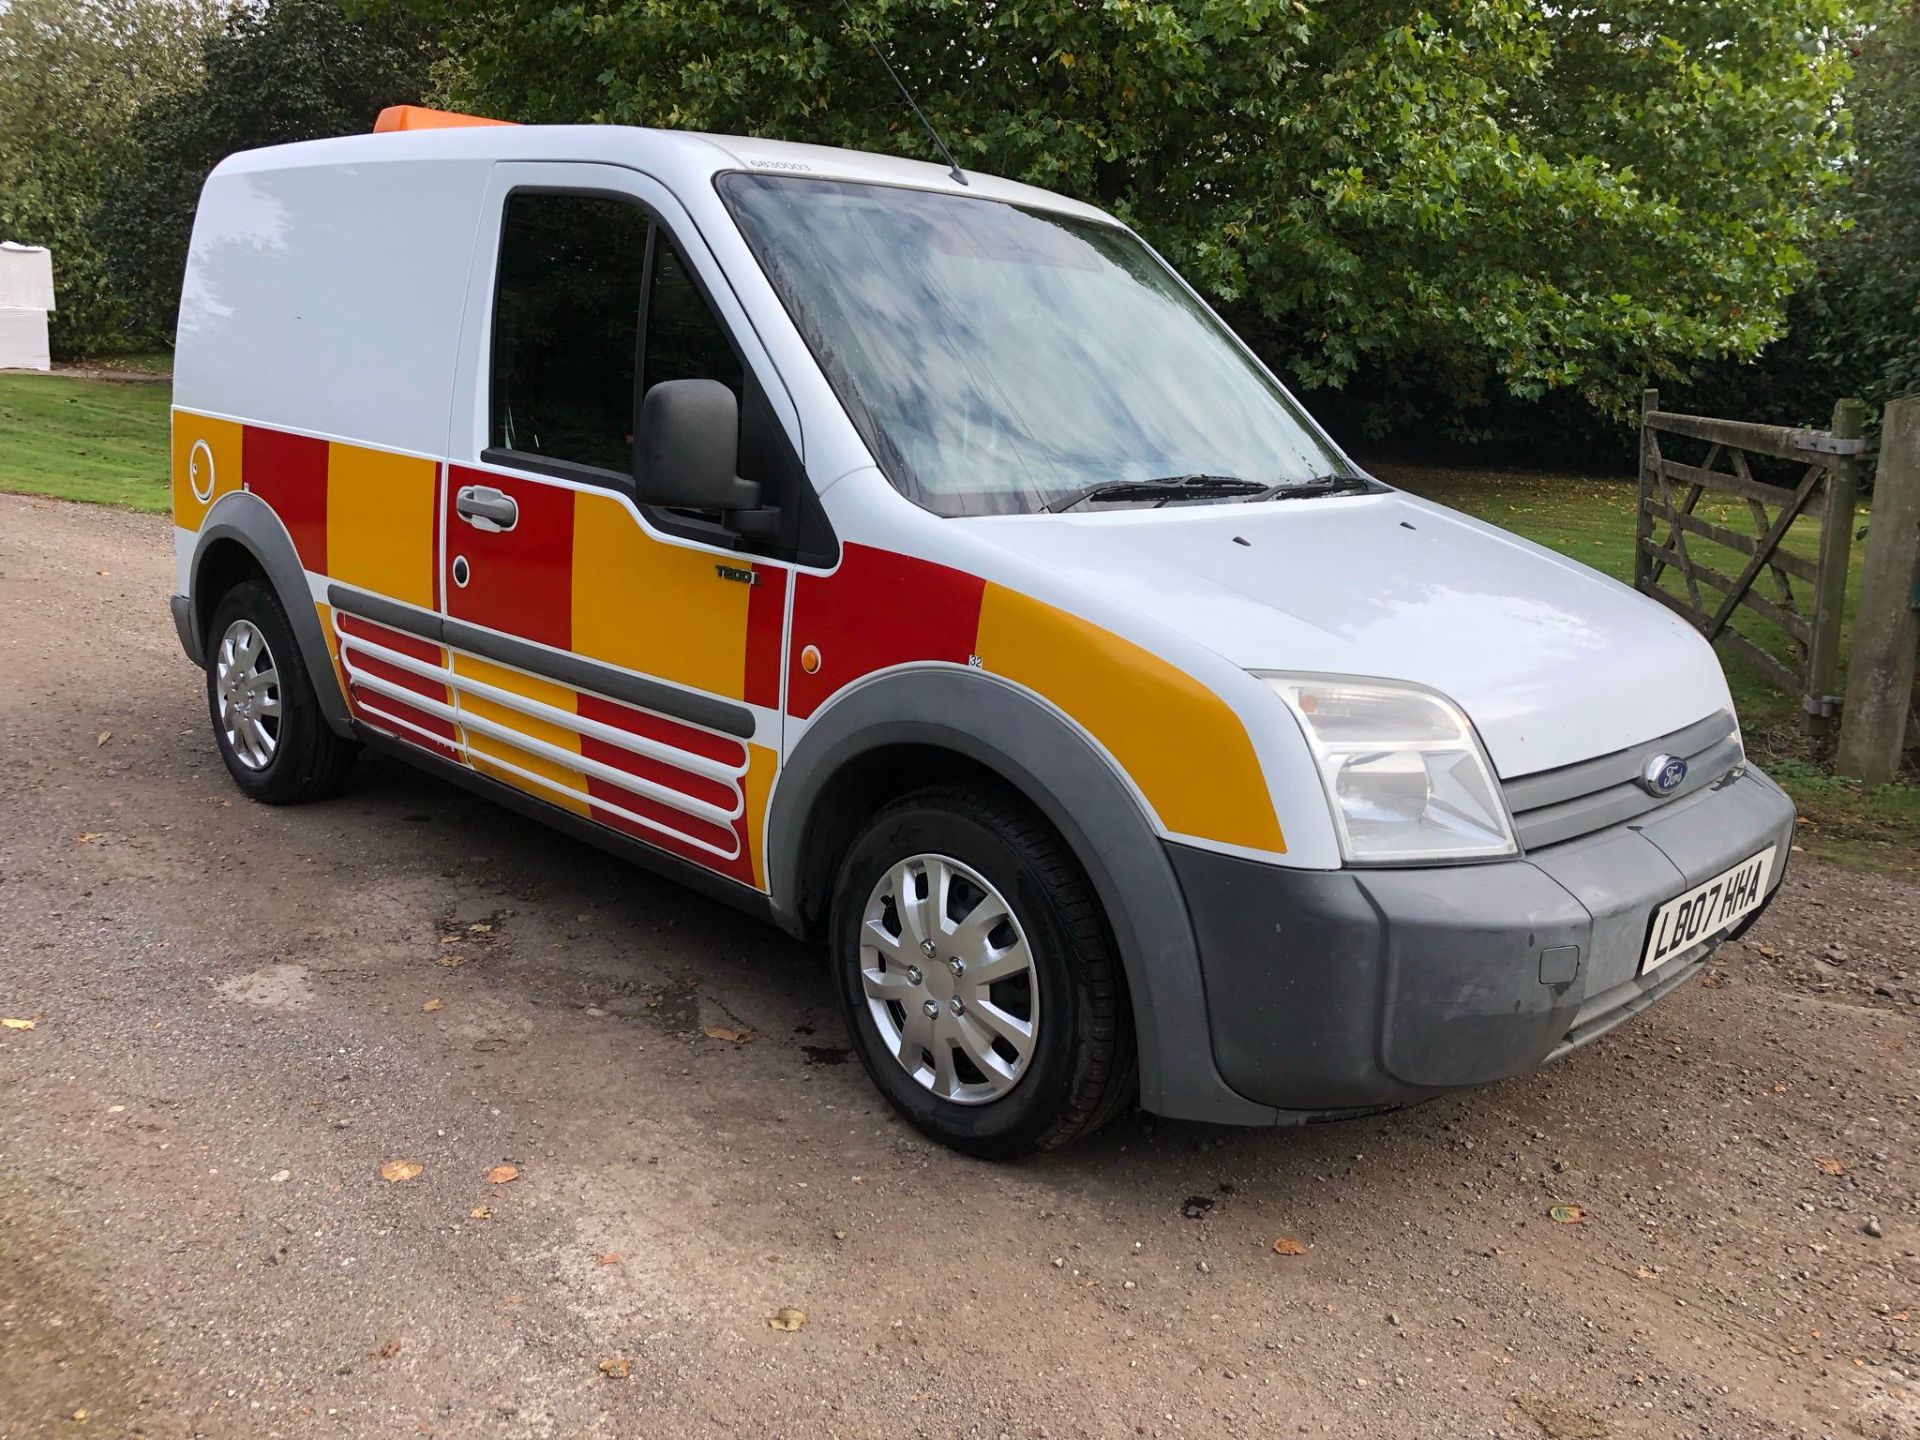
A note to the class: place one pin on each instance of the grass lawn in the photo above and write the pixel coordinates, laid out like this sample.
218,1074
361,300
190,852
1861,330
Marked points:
100,440
106,441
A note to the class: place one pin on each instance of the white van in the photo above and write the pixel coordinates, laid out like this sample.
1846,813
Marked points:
919,563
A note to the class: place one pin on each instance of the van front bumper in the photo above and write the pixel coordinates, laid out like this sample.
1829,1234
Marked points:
1341,990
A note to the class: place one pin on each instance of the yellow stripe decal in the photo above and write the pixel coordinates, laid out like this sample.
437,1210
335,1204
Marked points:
1182,744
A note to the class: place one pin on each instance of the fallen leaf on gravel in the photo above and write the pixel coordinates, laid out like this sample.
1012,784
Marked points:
1641,1272
449,939
1771,952
786,1318
480,1212
452,960
1566,1215
616,1367
1830,1166
88,838
12,1024
388,1350
612,1257
503,1174
430,1007
104,736
1287,1245
721,1032
394,1171
479,927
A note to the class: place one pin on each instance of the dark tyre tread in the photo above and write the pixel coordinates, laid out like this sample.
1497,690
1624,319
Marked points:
1105,1074
311,762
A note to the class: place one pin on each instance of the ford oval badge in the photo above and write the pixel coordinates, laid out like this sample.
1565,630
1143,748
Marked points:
1663,775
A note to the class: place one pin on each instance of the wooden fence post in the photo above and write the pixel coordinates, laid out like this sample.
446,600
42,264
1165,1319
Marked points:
1880,671
1836,540
1642,519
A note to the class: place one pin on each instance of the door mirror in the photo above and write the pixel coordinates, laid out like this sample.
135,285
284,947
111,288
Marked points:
688,450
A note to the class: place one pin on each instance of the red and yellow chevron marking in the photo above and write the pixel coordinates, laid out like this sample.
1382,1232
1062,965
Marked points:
391,682
1182,744
382,523
206,465
580,574
577,573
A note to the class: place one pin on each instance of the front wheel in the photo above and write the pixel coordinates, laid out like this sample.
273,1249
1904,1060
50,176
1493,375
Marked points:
976,975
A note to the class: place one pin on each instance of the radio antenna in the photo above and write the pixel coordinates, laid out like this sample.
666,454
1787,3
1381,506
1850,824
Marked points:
953,165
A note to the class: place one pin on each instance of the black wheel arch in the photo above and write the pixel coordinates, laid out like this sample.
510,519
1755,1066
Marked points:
242,539
881,737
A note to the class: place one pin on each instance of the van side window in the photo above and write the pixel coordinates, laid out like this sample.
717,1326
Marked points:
566,317
684,338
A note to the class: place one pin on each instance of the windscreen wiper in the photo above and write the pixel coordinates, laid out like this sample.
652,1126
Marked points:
1321,485
1168,487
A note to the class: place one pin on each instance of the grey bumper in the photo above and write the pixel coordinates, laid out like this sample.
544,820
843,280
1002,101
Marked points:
182,607
1339,990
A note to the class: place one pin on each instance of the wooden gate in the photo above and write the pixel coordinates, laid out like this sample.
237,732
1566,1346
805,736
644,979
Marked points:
1827,463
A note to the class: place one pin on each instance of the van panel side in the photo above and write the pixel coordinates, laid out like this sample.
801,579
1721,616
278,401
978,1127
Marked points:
328,298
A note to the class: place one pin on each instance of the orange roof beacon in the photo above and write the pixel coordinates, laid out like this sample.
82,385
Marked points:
419,117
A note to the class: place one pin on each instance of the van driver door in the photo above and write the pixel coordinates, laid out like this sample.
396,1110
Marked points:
617,661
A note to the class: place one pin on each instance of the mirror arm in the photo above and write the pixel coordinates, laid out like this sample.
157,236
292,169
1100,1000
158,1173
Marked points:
761,522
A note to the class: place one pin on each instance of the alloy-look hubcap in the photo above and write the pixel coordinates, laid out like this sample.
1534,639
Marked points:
247,690
949,980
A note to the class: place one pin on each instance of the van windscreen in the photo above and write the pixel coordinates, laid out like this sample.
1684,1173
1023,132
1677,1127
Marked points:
1000,359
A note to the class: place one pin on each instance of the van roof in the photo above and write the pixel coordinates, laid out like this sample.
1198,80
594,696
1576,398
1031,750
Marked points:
671,155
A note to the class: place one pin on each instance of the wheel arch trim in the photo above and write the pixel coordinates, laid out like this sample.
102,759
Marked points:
1045,758
248,521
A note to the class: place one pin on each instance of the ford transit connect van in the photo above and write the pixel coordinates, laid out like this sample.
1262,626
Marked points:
918,562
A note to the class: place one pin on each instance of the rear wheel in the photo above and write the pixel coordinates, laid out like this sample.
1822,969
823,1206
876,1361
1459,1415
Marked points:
976,976
266,717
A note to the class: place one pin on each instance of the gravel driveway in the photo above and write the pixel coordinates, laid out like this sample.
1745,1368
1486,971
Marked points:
242,1014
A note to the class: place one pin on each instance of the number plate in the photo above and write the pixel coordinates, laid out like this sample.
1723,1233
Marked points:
1706,910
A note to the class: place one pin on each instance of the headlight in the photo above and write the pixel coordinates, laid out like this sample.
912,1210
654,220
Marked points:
1404,772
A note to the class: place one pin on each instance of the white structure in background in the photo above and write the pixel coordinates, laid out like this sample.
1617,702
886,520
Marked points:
26,295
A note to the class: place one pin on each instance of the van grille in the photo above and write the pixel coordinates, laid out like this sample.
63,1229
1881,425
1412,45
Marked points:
1575,800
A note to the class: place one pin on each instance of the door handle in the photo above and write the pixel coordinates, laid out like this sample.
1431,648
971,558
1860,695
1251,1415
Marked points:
486,508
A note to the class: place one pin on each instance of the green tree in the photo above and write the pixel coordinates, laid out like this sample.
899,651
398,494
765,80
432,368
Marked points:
1853,327
1861,314
1462,199
73,76
285,71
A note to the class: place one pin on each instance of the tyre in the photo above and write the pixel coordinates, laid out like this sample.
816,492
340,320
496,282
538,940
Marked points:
978,981
266,718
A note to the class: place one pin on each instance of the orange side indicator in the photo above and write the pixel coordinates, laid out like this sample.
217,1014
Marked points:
418,117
